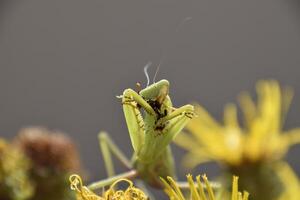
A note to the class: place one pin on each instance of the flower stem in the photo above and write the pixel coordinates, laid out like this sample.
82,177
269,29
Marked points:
96,185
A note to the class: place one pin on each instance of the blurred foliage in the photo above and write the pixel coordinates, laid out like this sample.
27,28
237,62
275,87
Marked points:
15,183
253,151
54,157
36,165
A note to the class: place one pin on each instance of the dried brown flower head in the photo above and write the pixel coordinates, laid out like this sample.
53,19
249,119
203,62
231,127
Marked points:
49,149
54,157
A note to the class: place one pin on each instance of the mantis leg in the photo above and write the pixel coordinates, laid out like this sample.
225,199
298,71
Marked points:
176,122
187,110
130,95
135,123
107,147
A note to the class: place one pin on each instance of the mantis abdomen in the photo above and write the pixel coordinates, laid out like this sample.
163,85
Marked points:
151,172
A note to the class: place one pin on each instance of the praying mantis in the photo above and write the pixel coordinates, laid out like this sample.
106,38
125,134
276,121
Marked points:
152,123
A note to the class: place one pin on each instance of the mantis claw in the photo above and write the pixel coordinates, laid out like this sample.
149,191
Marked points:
189,114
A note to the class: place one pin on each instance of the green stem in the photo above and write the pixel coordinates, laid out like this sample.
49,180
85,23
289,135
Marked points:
108,181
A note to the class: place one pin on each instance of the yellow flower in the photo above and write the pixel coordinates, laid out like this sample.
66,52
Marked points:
253,151
197,190
83,193
290,181
260,139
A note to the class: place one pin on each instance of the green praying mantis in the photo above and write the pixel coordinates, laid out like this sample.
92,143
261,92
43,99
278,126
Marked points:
152,123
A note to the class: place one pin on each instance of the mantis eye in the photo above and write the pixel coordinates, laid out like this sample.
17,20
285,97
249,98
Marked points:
164,91
156,92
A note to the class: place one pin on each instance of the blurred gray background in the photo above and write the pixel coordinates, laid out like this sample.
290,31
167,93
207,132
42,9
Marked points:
62,62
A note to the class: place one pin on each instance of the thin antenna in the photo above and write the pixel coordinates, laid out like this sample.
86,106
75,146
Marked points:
186,19
157,68
146,72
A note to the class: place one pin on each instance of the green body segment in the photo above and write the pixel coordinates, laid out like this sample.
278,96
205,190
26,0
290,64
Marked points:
156,133
153,123
154,159
162,166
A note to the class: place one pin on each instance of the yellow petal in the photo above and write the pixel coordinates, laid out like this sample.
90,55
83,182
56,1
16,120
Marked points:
290,182
194,193
230,116
293,136
248,108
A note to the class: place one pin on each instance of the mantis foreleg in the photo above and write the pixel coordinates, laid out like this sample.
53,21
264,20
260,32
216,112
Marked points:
107,147
130,95
135,123
187,110
175,124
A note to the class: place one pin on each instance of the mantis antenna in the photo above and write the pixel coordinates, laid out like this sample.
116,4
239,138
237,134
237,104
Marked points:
186,19
146,72
157,68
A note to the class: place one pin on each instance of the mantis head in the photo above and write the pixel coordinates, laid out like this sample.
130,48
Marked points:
157,91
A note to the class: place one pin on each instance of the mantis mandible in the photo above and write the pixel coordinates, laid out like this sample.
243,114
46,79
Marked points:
152,123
